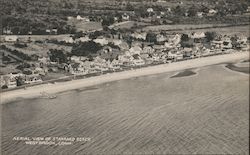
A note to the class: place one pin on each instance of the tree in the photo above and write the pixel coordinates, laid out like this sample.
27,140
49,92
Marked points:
130,7
151,37
210,36
57,56
184,37
4,87
23,66
86,48
179,11
19,81
234,42
107,21
192,11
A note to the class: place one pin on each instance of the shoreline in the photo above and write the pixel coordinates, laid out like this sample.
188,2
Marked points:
35,91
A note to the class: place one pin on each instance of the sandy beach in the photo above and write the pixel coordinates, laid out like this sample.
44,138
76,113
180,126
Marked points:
36,91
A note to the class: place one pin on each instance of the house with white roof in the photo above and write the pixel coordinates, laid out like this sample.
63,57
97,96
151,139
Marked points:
84,19
77,69
212,12
68,40
102,41
174,39
125,16
200,14
150,10
148,50
197,35
83,39
141,36
138,62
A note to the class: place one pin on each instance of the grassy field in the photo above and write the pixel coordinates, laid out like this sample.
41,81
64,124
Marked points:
129,25
39,48
234,30
85,26
180,27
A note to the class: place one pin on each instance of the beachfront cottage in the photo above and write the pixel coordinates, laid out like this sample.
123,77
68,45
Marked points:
198,37
187,52
174,39
115,64
10,80
138,62
148,50
77,69
217,44
125,59
10,38
33,78
173,55
227,43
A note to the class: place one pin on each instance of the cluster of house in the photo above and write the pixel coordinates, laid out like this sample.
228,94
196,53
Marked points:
140,52
13,80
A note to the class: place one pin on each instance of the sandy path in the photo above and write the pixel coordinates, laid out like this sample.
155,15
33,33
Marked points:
35,91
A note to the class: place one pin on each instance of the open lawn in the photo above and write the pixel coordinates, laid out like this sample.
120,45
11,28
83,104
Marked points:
39,49
180,27
85,26
234,30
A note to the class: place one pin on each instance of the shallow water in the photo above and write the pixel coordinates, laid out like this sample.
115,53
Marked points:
207,113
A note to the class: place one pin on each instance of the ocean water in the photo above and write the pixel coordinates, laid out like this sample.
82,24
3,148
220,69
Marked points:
203,113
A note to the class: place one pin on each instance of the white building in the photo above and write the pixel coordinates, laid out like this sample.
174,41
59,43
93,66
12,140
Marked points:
84,19
102,41
10,38
150,10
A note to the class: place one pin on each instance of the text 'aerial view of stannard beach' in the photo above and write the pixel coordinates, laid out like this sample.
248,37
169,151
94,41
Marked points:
124,77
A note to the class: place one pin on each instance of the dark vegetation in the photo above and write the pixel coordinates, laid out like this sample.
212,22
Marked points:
58,56
35,16
19,54
86,49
